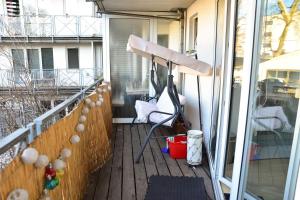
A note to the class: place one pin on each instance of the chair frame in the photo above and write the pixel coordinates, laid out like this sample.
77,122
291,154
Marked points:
177,111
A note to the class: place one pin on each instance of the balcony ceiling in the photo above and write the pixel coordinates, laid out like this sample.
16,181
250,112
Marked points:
145,5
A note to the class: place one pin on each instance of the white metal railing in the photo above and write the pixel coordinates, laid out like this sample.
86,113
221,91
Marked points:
50,26
55,78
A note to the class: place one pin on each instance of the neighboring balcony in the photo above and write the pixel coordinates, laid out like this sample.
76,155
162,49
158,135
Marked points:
49,78
51,27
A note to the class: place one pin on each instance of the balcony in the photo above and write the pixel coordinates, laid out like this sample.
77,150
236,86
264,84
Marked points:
101,164
54,79
54,27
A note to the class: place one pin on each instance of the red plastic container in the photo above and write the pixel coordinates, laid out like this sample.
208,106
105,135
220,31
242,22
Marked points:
177,147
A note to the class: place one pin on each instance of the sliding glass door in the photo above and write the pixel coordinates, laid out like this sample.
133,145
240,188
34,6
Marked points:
129,73
260,118
273,102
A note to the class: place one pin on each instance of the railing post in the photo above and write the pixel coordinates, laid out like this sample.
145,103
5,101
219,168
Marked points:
53,26
38,126
78,26
32,133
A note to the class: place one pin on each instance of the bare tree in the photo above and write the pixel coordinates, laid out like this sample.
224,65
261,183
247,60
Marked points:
288,19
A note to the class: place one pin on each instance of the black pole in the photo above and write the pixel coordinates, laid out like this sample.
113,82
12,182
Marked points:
199,97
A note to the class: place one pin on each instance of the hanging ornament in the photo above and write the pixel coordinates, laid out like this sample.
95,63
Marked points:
29,155
80,127
65,153
60,173
45,195
42,161
98,103
51,184
18,194
59,164
92,104
82,119
88,100
50,172
75,139
85,110
99,90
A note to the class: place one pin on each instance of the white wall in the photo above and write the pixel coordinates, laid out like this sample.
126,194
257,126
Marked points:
205,10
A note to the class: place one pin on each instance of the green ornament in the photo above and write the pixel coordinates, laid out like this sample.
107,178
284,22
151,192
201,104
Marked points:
51,184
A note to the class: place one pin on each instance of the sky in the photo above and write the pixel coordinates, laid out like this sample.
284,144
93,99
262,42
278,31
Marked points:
273,7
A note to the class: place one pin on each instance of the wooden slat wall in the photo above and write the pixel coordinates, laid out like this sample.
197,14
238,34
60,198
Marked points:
90,153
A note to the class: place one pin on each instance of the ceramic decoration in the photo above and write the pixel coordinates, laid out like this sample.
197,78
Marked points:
99,90
85,110
88,100
75,139
42,161
194,147
18,194
65,153
29,155
82,119
50,172
98,103
92,104
80,127
60,173
45,195
51,184
59,164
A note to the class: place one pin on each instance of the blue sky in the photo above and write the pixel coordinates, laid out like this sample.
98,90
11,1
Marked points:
273,7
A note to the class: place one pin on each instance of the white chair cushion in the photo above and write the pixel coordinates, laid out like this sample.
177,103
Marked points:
164,104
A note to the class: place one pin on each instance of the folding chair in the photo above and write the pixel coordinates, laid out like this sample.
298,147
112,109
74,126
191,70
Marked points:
164,112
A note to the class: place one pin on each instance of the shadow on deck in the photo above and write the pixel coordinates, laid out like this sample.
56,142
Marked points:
122,178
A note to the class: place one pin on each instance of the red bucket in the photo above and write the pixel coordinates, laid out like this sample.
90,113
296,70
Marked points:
177,146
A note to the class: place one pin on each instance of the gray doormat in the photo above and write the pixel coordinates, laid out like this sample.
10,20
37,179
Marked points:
176,188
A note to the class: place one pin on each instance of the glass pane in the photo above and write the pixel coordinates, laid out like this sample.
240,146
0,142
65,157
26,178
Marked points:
273,114
73,60
217,74
237,81
168,35
129,72
33,59
18,65
47,62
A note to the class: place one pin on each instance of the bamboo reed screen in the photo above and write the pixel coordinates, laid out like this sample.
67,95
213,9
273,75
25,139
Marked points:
90,153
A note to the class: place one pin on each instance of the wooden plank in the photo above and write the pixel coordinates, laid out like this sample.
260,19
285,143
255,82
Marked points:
115,187
128,187
157,155
103,182
102,186
207,181
139,168
172,163
91,187
186,170
148,157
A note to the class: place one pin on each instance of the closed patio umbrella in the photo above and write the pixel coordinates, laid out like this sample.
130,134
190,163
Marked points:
162,54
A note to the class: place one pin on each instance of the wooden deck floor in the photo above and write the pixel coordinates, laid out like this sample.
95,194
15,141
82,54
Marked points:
122,178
